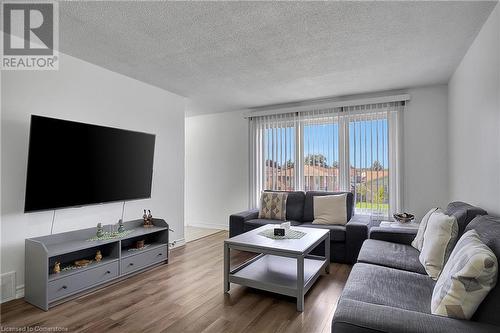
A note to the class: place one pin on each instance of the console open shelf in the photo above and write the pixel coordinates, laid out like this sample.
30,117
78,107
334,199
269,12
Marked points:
151,241
128,252
44,288
104,261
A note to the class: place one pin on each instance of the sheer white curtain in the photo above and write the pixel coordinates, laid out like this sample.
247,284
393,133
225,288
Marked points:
352,148
374,135
272,154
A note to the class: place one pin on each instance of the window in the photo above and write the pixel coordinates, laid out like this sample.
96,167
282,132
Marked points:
369,164
340,149
279,158
321,155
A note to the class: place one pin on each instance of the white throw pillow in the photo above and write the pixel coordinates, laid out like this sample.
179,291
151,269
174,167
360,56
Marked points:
468,276
330,209
419,238
439,238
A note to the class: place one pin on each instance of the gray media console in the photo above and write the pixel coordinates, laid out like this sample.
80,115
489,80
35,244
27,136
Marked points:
44,288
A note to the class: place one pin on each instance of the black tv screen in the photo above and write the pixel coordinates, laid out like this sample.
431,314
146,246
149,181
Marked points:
75,164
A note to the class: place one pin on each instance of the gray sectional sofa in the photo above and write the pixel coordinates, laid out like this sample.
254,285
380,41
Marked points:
345,241
389,291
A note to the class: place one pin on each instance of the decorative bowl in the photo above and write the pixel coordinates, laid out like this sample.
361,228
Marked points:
404,217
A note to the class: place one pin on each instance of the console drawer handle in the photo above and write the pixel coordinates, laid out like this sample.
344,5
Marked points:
160,254
108,272
131,264
64,287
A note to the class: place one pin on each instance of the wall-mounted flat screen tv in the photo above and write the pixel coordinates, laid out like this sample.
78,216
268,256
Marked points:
75,164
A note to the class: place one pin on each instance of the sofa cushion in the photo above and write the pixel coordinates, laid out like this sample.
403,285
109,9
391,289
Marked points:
394,255
468,276
309,204
359,317
390,287
488,229
337,232
255,223
294,205
464,213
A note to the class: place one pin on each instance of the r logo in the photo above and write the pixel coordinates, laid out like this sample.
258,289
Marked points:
28,28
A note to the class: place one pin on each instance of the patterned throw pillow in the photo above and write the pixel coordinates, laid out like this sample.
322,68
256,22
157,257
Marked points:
468,276
273,205
439,238
418,242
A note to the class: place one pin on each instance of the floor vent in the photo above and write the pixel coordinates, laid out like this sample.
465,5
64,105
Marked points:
8,290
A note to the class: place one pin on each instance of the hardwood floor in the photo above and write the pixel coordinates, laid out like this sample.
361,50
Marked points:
187,296
193,233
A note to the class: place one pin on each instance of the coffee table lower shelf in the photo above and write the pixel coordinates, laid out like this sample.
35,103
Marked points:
277,274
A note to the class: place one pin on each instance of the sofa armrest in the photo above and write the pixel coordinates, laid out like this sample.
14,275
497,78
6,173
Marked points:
356,316
236,221
356,233
393,235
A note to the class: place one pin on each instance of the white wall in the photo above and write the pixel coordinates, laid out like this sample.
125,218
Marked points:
84,92
425,150
217,159
216,168
474,121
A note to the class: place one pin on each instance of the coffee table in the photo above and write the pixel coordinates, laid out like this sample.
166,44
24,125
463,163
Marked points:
283,266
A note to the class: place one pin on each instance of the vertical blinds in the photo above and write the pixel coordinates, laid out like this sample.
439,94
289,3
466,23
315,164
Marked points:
353,148
273,153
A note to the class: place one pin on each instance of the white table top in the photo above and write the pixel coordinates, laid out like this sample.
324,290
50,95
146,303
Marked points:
390,224
254,240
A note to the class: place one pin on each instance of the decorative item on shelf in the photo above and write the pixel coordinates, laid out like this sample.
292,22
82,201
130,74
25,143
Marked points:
98,256
110,235
285,225
133,249
100,230
403,217
57,267
148,219
279,232
82,263
121,227
139,244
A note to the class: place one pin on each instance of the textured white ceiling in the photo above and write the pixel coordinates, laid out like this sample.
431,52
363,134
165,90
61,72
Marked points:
226,56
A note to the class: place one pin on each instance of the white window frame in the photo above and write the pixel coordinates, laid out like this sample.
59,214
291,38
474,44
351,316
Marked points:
394,145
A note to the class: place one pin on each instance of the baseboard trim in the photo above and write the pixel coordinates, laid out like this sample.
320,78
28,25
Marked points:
20,291
177,242
208,225
19,294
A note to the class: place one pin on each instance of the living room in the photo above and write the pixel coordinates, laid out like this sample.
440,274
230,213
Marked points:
250,166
